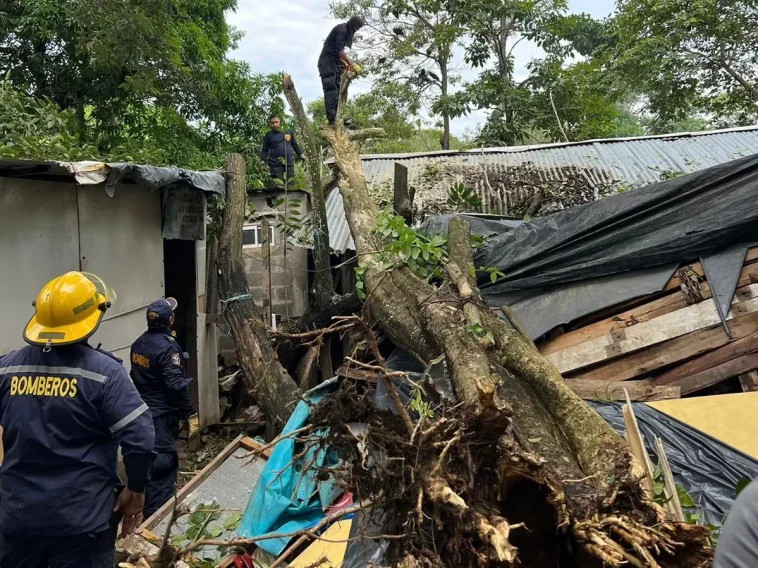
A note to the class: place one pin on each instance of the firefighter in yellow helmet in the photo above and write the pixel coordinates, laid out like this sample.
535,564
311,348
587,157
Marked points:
65,408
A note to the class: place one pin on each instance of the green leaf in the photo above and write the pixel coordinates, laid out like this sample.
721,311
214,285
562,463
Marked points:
179,539
198,518
535,440
192,532
214,531
493,277
684,498
233,521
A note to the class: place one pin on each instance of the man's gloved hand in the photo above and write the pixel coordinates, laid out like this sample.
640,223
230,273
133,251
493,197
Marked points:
130,505
194,425
357,68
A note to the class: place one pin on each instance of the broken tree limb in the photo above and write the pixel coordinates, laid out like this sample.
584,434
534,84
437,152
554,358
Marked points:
322,292
265,378
366,133
510,384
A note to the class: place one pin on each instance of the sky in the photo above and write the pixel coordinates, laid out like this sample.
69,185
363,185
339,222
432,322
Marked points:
287,36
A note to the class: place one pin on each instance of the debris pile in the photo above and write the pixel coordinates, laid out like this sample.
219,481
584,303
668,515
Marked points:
664,345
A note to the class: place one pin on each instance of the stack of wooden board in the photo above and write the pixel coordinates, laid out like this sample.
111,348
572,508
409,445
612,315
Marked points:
666,345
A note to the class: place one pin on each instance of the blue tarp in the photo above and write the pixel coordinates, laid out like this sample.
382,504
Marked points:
287,499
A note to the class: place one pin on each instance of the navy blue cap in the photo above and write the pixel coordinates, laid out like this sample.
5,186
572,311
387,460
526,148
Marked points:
159,312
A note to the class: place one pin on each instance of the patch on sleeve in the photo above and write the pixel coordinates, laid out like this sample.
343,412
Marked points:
176,359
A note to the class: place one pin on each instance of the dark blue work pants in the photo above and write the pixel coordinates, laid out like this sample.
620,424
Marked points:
162,482
93,550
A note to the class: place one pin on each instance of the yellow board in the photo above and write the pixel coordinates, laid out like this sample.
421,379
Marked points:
729,418
332,552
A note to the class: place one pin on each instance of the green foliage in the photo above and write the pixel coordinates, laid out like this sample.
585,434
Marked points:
131,80
360,290
494,273
485,337
463,199
416,404
689,56
422,254
409,44
207,522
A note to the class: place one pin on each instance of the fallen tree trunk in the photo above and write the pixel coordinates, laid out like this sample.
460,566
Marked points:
324,303
274,390
582,468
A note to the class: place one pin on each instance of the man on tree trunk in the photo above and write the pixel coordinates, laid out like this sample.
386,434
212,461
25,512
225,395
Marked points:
333,58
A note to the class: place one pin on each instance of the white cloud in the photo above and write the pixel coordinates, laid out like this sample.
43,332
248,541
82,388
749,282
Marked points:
287,36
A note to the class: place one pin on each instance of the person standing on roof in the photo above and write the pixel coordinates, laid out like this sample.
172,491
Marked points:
65,408
158,373
333,60
279,151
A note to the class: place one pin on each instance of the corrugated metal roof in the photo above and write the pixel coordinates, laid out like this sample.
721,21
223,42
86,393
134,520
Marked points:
502,177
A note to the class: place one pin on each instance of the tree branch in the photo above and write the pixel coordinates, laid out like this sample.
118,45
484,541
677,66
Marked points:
367,133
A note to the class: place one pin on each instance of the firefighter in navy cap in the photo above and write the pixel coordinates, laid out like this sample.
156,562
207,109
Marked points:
65,408
158,373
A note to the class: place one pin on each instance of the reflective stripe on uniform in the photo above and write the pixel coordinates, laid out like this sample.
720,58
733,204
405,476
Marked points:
128,418
55,370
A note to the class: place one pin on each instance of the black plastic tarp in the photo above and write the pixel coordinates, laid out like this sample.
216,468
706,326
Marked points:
541,309
706,468
153,177
480,225
685,218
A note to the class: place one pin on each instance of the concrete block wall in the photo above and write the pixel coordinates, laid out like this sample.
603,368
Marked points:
289,273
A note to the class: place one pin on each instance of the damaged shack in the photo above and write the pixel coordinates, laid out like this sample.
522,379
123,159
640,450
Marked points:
140,228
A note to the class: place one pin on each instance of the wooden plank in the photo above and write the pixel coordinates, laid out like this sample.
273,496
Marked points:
674,283
672,351
733,350
749,381
635,315
670,492
639,391
718,374
637,448
657,330
167,507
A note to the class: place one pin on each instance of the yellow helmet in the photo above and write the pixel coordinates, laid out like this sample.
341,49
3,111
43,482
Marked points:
68,309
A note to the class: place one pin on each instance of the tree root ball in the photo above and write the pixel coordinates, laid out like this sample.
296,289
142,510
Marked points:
456,493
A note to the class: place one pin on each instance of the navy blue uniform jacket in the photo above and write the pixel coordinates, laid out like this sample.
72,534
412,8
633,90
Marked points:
276,146
64,413
158,373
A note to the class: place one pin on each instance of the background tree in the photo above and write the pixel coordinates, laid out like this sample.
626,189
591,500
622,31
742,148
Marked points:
690,57
136,80
409,44
377,109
